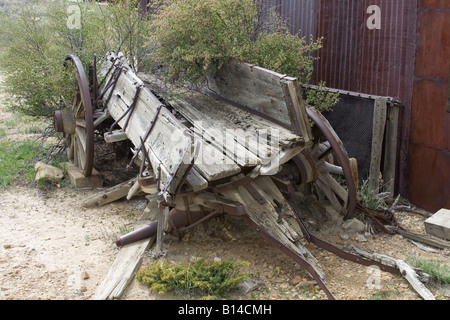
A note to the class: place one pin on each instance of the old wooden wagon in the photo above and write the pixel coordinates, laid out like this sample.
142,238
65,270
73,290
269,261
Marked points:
242,145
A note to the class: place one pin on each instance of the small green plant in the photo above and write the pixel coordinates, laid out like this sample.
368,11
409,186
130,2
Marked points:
213,279
368,198
381,294
17,161
439,272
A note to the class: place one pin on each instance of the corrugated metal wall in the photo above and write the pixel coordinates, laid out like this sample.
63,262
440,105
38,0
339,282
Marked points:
361,58
404,53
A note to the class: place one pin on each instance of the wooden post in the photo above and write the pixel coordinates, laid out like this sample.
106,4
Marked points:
163,219
379,123
390,149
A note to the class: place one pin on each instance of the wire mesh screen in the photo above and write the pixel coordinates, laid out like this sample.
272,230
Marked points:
352,119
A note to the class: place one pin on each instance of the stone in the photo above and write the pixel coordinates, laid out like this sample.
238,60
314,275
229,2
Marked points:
47,172
353,226
84,275
296,280
360,238
344,236
247,286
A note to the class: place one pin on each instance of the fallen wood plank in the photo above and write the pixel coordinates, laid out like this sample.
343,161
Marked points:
408,272
127,262
424,238
410,275
109,195
122,271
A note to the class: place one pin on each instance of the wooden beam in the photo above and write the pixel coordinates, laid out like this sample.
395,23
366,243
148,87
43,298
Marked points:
115,136
379,124
127,262
109,195
390,149
122,271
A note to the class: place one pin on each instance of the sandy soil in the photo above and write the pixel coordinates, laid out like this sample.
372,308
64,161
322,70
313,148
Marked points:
52,248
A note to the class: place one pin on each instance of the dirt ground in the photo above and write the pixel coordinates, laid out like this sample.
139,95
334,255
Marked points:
52,248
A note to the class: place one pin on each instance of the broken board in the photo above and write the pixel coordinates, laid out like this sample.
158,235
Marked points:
122,271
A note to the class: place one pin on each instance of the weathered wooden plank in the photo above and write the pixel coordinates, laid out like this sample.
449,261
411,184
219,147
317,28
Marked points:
296,109
195,181
212,163
227,144
406,270
122,271
109,195
424,238
127,262
115,136
379,123
266,215
167,141
390,149
272,94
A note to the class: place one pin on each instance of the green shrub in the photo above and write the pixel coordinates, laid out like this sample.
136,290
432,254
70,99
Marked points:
210,278
192,39
37,36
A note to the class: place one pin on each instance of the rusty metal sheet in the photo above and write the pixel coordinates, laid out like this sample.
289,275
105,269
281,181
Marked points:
429,152
429,185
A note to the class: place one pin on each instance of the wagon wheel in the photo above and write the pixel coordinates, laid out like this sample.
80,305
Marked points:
335,177
76,121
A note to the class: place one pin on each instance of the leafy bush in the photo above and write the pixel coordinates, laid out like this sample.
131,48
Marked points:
37,36
192,39
188,38
211,278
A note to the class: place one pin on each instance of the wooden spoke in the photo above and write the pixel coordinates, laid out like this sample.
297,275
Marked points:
335,180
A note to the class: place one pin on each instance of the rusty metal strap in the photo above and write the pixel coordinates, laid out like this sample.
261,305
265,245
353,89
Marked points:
339,252
112,83
289,252
128,112
147,134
